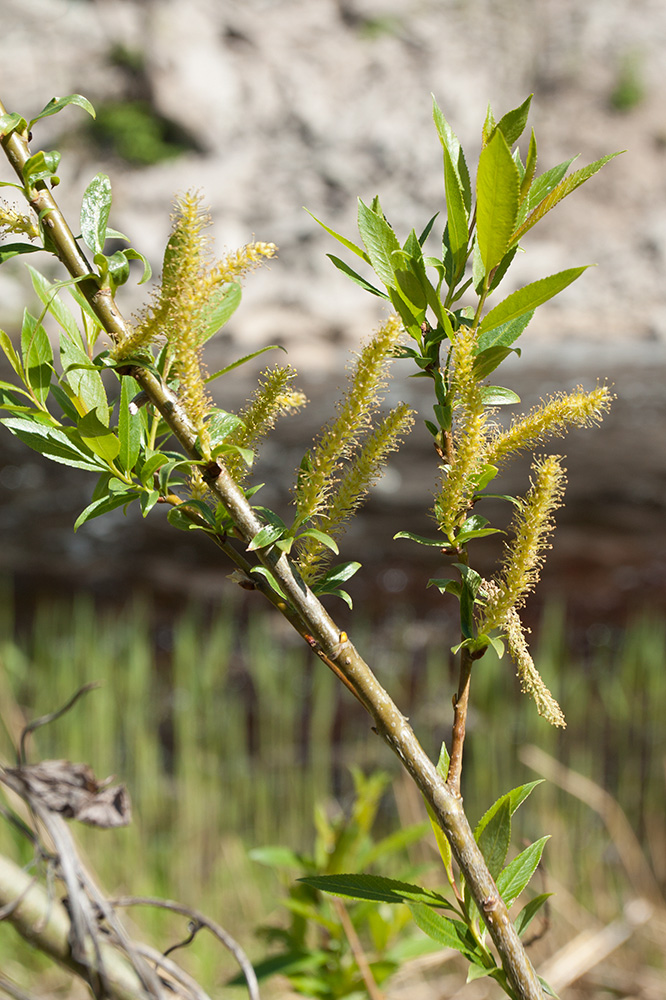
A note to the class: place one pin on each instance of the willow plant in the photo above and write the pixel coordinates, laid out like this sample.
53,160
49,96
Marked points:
160,440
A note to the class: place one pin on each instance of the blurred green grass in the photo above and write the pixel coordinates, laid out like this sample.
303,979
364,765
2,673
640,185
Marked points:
227,732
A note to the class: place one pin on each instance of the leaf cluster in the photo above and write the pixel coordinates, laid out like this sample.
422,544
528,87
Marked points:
458,342
457,924
316,951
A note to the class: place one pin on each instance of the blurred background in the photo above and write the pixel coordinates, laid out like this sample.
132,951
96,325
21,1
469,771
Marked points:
266,106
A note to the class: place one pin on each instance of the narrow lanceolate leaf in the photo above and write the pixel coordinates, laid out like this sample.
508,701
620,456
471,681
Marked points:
565,187
458,221
95,209
377,888
10,354
517,874
514,798
529,911
450,933
56,104
355,276
505,334
37,356
84,379
495,837
497,200
513,123
220,308
48,294
450,142
129,425
103,506
98,436
341,239
529,297
530,166
9,250
379,240
53,443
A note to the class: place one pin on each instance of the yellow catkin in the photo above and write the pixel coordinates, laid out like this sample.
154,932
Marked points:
353,486
552,418
470,430
531,682
189,279
532,526
273,398
338,439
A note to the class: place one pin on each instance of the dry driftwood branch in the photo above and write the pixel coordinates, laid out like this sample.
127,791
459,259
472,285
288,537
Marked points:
83,931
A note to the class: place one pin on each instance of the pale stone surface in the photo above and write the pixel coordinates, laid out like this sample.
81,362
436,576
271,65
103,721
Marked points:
314,102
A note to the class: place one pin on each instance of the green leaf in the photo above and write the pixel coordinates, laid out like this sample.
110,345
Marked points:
98,436
339,574
268,535
131,254
114,270
497,395
355,277
37,356
148,501
103,505
53,443
244,360
322,537
48,294
341,239
377,888
513,123
450,933
497,199
546,182
151,465
450,142
457,218
565,187
41,167
56,104
95,210
515,798
84,379
487,361
529,297
263,571
505,334
276,857
221,306
529,912
129,425
379,240
420,539
9,250
518,873
530,167
178,518
396,842
495,837
221,424
12,122
11,355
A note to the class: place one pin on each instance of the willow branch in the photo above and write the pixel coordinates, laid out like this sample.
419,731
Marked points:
336,647
460,703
